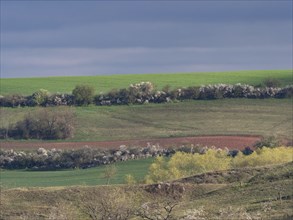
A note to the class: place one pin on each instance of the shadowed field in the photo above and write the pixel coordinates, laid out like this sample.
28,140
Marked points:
90,176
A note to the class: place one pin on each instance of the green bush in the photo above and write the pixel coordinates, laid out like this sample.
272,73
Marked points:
40,97
83,94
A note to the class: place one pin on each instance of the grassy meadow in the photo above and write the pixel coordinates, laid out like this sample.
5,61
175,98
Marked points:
27,86
265,117
91,176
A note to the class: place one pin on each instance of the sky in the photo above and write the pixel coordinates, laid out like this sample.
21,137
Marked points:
63,38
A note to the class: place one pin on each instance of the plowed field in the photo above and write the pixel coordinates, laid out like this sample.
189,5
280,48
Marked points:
231,142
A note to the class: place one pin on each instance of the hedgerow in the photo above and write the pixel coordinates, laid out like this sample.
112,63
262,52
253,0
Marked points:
80,158
145,92
169,164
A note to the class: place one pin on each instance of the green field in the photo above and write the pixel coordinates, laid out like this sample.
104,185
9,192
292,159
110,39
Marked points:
265,117
71,177
27,86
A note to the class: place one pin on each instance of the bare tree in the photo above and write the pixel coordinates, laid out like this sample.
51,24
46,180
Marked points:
109,204
160,201
158,210
64,211
109,173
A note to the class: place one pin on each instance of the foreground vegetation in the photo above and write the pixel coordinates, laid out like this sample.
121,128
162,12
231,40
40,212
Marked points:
27,86
265,193
218,117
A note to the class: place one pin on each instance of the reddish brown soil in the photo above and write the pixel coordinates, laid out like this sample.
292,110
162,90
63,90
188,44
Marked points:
231,142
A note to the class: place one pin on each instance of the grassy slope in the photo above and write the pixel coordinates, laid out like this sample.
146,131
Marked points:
91,176
260,188
226,117
27,86
259,191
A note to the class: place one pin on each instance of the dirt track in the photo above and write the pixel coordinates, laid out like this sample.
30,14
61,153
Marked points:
232,142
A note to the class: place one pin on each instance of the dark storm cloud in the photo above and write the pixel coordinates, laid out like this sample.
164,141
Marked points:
90,37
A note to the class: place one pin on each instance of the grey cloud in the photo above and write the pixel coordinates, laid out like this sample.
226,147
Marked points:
53,14
160,34
84,61
78,38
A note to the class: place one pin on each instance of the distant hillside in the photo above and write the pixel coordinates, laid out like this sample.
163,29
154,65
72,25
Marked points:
27,86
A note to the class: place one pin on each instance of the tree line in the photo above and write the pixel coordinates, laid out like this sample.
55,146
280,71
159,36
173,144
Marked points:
186,159
143,93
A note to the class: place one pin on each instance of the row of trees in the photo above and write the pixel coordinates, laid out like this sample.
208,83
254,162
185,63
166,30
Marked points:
81,95
143,92
50,159
194,157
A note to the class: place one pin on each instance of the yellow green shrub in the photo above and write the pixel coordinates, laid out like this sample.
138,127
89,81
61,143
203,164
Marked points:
183,164
158,171
264,156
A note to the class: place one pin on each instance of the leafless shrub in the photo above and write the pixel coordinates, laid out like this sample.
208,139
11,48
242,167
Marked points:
109,204
45,124
63,211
